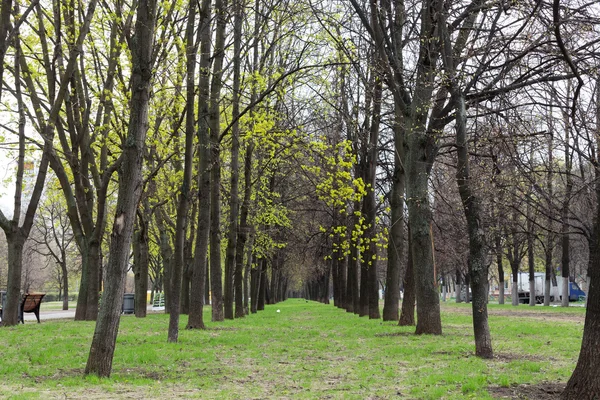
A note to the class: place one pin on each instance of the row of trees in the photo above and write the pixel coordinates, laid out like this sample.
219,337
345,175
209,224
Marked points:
242,149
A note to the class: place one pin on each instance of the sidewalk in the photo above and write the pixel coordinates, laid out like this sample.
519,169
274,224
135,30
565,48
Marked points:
46,315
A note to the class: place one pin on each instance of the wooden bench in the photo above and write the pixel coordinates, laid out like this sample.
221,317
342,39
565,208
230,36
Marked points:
31,303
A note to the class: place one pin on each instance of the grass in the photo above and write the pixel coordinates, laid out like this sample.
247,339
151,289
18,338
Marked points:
307,350
56,305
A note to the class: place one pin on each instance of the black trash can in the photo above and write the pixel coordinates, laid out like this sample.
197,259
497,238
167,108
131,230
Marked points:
2,302
128,303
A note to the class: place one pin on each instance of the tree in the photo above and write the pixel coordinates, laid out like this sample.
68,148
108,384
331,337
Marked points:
54,240
17,233
130,187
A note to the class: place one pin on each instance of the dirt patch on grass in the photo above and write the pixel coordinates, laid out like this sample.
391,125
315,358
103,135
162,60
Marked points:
541,391
507,357
394,334
539,315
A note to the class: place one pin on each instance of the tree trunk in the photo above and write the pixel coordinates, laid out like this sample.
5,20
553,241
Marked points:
10,313
419,211
65,284
364,292
530,258
515,285
234,204
215,176
353,263
478,263
254,287
407,315
396,235
130,186
200,285
247,273
498,240
584,382
140,269
262,292
185,191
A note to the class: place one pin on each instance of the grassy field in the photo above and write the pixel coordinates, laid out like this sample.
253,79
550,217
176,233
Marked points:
55,305
307,350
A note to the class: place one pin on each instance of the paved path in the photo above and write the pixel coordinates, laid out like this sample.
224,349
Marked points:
58,314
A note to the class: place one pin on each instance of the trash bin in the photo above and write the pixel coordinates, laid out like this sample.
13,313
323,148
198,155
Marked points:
2,302
128,303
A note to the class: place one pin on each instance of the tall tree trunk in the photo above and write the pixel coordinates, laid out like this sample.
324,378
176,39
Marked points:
231,271
215,175
585,382
396,235
185,192
549,235
478,262
199,284
370,206
531,258
130,186
566,251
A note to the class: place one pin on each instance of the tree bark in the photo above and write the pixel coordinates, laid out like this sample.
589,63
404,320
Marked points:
585,382
396,234
498,240
130,186
199,282
232,272
215,167
407,315
478,263
185,191
140,269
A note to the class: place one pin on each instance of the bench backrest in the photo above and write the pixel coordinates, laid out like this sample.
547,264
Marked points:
32,301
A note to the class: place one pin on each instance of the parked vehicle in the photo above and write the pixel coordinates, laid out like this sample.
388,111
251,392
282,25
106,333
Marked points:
524,293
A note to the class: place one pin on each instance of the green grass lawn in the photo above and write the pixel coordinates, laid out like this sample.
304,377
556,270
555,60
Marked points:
56,305
307,350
